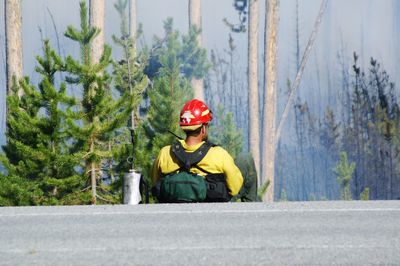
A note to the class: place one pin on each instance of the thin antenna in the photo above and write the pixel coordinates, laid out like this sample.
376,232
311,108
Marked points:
174,134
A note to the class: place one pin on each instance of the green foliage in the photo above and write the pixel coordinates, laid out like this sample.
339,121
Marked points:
263,189
371,136
85,36
330,132
121,6
225,133
366,126
129,78
344,172
169,93
41,169
17,191
57,144
95,125
365,194
283,196
174,61
194,58
246,165
191,59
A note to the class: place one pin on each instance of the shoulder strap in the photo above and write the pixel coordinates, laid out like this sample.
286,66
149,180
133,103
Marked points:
190,159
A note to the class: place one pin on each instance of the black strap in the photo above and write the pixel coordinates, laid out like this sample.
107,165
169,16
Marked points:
217,190
188,160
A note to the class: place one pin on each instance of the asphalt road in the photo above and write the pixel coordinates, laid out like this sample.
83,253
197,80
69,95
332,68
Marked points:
312,233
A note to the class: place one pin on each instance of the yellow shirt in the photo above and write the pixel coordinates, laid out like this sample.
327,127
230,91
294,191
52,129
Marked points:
216,161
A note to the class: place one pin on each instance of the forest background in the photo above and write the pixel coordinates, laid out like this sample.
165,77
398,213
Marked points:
340,116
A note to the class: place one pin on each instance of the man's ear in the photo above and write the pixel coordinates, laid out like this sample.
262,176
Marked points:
203,129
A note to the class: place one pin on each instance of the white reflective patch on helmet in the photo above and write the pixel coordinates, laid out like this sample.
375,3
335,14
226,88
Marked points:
187,117
206,112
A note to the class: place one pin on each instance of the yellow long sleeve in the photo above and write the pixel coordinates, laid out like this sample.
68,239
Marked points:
216,161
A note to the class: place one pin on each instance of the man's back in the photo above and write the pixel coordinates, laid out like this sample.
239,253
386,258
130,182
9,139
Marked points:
216,161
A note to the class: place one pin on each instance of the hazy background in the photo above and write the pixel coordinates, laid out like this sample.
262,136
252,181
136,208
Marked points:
369,27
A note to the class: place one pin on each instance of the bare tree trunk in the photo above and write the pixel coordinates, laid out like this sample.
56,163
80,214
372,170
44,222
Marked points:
132,23
93,177
195,20
270,88
96,20
254,111
195,16
13,23
96,10
304,59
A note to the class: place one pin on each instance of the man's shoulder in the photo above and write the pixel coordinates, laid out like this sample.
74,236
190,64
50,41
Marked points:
165,149
218,149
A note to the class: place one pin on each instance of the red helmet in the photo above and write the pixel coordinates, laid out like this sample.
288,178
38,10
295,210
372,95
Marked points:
194,114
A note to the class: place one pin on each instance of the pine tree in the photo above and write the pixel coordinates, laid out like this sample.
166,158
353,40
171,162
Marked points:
18,186
129,71
371,139
329,138
129,78
192,59
224,132
344,172
365,194
60,177
40,166
170,91
100,115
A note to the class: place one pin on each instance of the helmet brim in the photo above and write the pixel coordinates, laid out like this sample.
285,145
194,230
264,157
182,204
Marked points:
192,127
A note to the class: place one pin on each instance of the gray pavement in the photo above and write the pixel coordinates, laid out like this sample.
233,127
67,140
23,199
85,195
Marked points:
286,233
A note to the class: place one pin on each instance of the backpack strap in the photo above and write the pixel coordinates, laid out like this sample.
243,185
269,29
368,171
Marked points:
217,190
188,160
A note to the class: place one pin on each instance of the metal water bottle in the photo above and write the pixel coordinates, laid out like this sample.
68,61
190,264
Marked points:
131,188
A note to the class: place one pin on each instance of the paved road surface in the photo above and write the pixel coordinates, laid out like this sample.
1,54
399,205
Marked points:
356,233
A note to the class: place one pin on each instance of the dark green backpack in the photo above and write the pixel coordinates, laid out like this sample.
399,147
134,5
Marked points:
185,186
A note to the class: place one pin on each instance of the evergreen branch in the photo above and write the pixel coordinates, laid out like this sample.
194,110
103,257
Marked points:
117,121
73,80
73,34
105,60
86,188
263,189
90,36
84,17
74,66
103,199
64,183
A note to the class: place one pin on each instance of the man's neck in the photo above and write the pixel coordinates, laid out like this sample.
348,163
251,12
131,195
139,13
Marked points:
192,141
